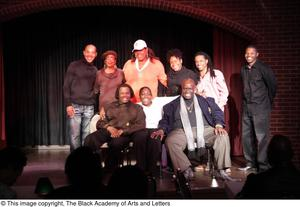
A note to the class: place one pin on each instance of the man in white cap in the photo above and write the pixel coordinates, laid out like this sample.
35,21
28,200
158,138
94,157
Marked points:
144,69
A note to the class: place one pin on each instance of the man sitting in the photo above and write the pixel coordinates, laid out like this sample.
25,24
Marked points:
191,118
153,110
124,122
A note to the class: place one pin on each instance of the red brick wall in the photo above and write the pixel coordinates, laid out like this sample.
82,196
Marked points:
277,23
273,24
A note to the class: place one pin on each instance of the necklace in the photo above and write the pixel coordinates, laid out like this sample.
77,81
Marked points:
190,108
144,66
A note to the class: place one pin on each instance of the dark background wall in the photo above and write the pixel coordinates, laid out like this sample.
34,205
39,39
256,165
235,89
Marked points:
274,24
38,48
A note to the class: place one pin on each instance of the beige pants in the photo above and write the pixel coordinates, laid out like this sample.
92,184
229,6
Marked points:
176,143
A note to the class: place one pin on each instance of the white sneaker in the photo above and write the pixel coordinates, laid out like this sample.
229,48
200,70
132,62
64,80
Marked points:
244,168
227,177
228,170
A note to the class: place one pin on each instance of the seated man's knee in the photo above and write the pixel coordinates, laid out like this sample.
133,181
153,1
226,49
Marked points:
89,141
222,140
116,144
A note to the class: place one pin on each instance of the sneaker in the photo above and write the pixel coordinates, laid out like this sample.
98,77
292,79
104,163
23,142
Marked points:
227,177
228,170
244,168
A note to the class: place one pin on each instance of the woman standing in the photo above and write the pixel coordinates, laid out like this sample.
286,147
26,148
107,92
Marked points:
107,81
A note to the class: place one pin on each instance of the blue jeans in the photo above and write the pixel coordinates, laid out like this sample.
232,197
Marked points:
80,124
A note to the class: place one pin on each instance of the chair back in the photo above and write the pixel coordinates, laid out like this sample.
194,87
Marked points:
93,123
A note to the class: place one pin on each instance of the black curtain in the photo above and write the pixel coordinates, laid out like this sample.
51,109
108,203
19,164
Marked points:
38,48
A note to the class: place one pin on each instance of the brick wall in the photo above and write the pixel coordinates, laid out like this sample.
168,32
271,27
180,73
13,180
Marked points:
273,24
277,23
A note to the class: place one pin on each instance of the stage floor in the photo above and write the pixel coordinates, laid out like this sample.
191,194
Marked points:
50,163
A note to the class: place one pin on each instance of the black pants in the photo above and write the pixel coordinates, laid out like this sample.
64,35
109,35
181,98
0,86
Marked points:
115,145
255,138
153,152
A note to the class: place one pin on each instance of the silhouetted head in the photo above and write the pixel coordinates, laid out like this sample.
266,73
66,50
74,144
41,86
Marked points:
83,167
128,182
280,151
12,162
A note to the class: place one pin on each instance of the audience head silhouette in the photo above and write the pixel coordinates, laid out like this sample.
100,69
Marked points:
84,172
281,181
83,167
280,151
12,162
129,182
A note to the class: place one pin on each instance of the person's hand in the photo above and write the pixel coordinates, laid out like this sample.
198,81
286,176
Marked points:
220,131
70,111
114,133
157,134
120,132
102,113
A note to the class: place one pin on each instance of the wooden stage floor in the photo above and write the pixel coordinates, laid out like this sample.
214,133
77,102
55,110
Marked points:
50,163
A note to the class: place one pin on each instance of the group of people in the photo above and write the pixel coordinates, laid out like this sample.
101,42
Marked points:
187,118
190,115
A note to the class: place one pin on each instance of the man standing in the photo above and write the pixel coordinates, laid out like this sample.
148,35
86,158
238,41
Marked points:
144,70
79,95
177,73
259,91
192,118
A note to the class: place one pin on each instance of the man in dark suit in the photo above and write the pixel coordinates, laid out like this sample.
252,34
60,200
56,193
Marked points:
192,118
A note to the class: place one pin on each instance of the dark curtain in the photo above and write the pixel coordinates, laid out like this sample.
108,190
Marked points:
2,100
38,49
229,57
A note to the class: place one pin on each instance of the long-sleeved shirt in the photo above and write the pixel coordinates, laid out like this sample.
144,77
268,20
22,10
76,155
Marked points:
176,77
79,83
129,117
259,90
214,87
106,84
148,76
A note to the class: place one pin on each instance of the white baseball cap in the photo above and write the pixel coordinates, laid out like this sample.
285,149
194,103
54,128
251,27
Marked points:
139,45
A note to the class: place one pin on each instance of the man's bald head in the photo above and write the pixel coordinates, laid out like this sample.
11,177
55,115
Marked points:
90,53
188,87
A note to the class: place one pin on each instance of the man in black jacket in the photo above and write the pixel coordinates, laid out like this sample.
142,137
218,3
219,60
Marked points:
258,93
79,95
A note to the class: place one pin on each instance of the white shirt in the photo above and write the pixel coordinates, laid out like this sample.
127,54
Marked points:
154,111
214,87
